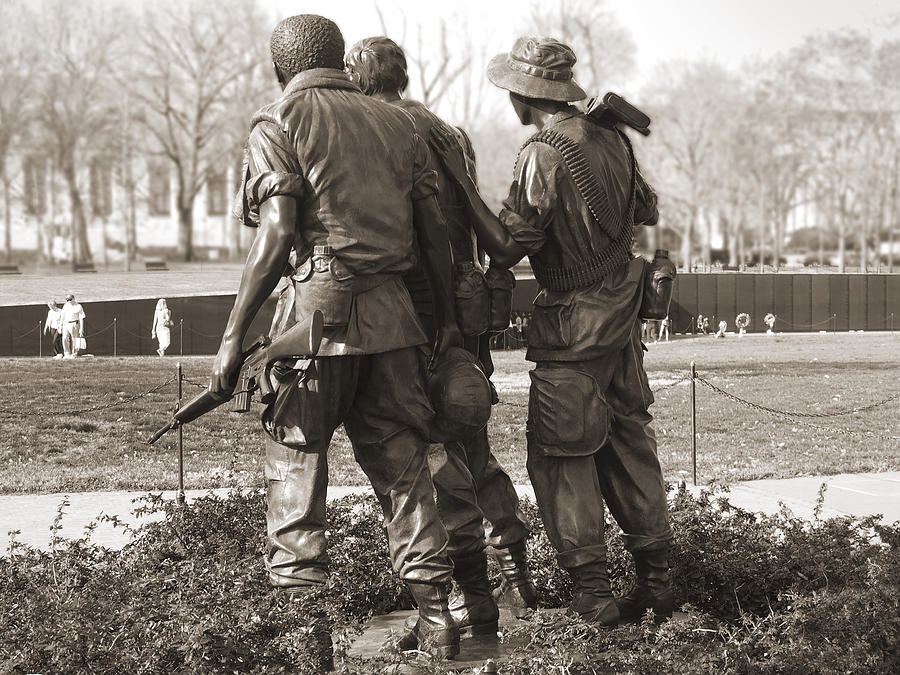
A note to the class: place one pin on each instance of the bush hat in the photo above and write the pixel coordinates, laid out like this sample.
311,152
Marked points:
537,68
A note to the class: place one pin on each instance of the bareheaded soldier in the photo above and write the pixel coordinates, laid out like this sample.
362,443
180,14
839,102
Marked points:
472,489
344,180
574,200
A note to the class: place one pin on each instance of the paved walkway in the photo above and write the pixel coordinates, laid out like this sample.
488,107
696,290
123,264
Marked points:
847,494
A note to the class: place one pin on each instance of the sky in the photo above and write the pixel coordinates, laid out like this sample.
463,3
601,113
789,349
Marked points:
730,31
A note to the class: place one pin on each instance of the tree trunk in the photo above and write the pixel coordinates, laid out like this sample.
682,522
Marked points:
842,248
185,230
761,229
81,248
7,212
686,247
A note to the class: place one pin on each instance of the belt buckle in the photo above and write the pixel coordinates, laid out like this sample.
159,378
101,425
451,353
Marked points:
321,263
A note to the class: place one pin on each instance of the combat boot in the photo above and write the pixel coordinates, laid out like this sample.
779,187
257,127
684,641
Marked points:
473,607
652,587
593,600
435,628
516,592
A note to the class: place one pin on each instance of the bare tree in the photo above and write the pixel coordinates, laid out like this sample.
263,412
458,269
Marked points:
16,99
202,77
75,90
604,47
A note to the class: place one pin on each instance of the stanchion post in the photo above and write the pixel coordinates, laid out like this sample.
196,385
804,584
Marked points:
181,337
40,342
694,420
115,336
180,498
833,324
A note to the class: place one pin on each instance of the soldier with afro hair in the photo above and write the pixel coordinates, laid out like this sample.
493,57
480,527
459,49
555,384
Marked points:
344,182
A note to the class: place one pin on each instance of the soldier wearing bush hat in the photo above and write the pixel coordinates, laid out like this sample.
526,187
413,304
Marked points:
345,181
575,198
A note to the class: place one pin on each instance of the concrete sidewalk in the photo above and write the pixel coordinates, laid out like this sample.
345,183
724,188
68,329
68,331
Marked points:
846,494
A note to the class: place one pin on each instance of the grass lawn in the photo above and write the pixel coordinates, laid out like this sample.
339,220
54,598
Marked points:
43,450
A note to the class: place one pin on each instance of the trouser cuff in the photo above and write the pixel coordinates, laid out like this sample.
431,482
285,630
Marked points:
636,543
585,555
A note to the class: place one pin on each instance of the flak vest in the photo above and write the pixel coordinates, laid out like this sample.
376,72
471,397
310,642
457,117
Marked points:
593,265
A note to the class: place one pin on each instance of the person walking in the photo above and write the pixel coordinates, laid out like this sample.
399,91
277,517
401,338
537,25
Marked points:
72,320
162,324
54,326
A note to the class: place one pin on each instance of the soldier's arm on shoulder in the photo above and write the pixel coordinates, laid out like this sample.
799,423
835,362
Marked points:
532,200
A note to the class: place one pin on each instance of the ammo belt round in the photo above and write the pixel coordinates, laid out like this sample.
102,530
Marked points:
594,266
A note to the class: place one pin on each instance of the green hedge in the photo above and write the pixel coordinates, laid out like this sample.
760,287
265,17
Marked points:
766,594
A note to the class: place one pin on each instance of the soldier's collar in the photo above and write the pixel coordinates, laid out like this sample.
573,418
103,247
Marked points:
322,78
564,114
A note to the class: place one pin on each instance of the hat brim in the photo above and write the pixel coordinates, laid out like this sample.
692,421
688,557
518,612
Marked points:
500,74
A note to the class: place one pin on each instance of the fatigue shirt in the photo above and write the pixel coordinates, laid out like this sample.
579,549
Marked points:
541,212
354,165
459,230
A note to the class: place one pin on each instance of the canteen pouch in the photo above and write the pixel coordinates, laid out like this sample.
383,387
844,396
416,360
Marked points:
567,414
473,300
659,282
323,292
500,283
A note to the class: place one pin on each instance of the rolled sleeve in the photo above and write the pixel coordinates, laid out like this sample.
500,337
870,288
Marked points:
424,176
529,208
271,170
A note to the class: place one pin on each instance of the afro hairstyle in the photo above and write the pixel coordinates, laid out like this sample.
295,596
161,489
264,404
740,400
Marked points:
304,42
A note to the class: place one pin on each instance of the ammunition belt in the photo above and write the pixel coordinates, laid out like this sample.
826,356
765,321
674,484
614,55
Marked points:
594,266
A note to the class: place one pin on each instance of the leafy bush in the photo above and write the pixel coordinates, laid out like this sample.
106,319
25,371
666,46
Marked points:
768,594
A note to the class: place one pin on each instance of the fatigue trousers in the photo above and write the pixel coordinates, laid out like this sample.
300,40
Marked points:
575,465
476,498
380,399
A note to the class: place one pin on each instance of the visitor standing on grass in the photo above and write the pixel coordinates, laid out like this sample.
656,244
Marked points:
345,181
54,325
588,430
162,325
72,320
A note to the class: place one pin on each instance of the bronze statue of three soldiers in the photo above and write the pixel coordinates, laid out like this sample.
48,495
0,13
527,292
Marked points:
375,197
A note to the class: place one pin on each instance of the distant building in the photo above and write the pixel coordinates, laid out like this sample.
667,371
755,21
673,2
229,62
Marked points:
40,218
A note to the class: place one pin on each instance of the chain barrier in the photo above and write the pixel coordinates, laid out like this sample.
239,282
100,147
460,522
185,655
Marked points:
193,382
102,330
25,334
799,417
204,335
804,325
96,408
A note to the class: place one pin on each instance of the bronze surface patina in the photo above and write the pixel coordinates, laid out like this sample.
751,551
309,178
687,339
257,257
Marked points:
588,432
319,182
476,498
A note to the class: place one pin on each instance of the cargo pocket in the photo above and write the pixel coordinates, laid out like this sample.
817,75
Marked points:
549,327
296,418
567,414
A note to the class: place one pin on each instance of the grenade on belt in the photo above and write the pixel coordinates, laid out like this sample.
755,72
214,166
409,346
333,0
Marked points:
659,279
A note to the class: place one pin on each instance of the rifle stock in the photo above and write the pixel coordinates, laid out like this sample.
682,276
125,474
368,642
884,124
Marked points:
301,341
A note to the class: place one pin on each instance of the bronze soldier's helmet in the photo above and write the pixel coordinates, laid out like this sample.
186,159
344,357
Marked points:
461,396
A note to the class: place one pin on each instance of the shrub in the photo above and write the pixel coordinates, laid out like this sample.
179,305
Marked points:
769,594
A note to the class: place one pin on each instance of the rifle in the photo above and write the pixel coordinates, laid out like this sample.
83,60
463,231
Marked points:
615,109
301,341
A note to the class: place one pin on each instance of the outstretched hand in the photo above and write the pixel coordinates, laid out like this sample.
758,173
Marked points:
450,153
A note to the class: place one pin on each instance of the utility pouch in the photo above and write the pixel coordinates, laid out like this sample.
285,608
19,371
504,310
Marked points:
500,283
567,413
295,418
473,301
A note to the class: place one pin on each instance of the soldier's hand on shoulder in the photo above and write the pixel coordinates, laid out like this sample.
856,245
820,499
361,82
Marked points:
448,150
